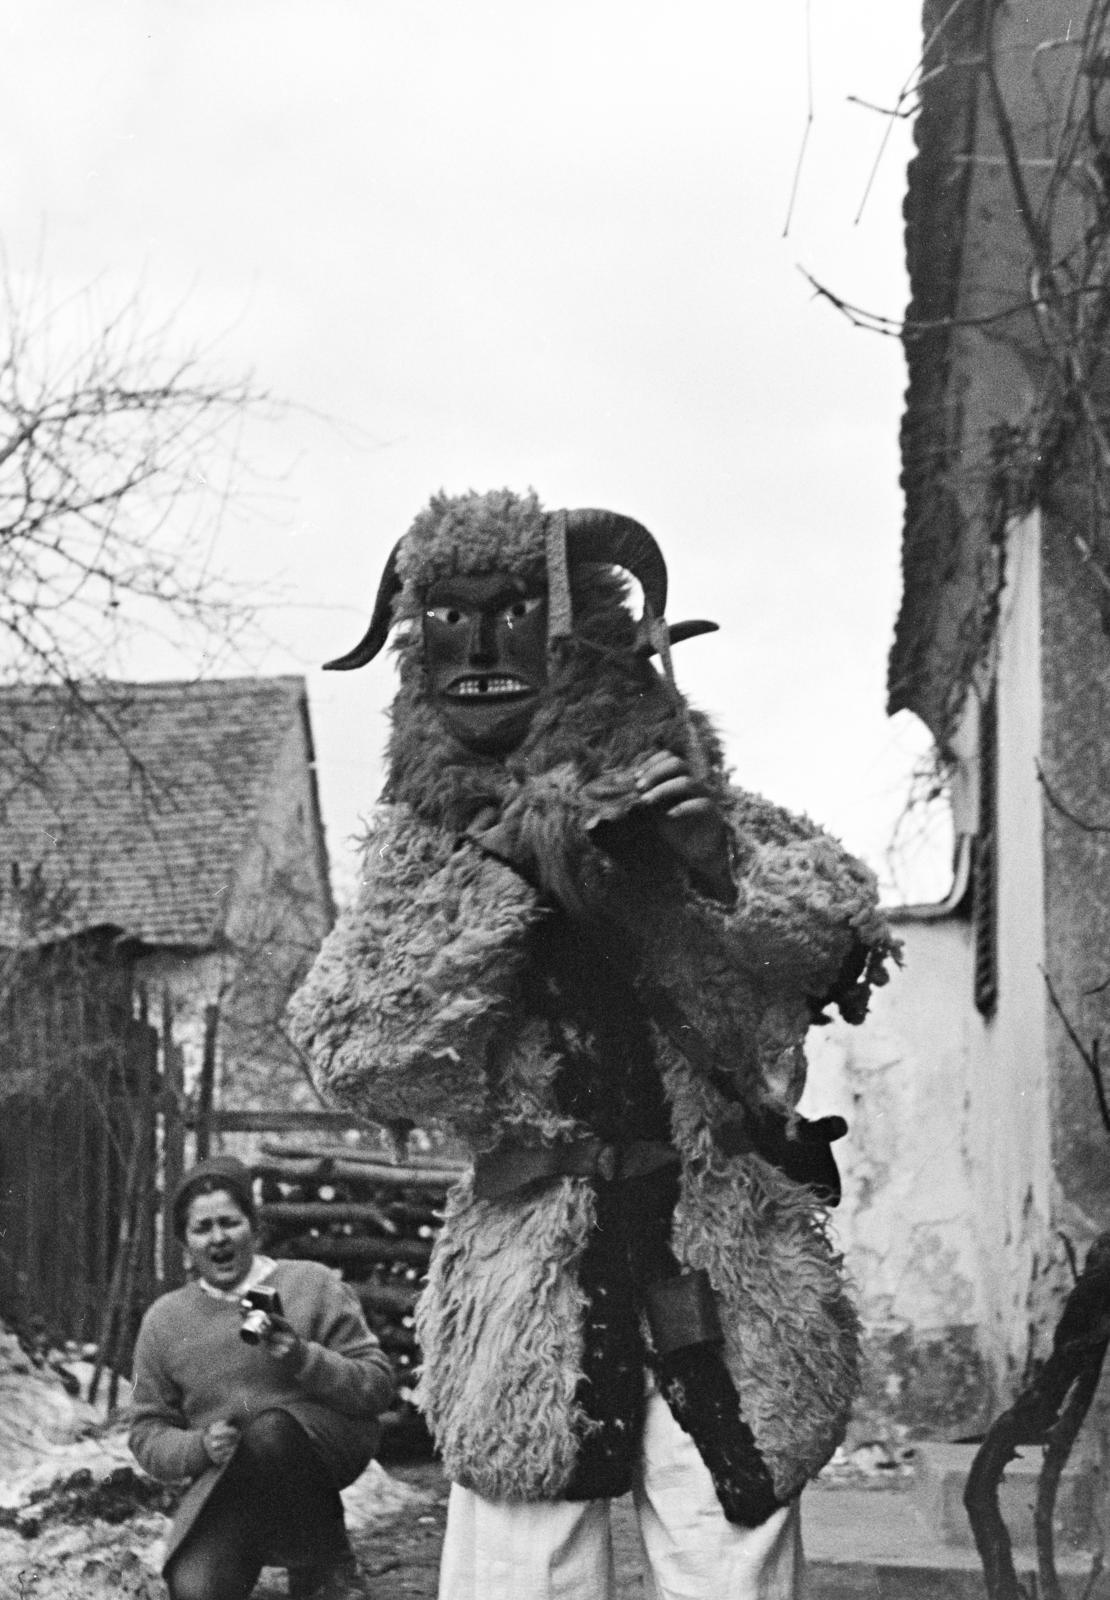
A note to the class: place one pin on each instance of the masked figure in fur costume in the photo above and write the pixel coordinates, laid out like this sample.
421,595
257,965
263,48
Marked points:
582,950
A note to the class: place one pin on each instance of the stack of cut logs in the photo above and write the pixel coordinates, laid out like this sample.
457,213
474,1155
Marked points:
374,1221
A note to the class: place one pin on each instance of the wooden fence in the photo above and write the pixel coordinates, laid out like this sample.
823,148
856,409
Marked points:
78,1096
87,1170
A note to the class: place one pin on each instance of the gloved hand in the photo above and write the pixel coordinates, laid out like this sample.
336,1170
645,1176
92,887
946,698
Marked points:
803,1154
688,820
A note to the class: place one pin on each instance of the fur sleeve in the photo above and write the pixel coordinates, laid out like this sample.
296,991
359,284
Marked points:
399,1010
807,915
805,921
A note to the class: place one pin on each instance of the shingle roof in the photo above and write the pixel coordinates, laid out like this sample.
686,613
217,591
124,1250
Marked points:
935,212
982,374
139,797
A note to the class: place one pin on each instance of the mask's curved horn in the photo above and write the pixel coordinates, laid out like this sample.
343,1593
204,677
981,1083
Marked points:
378,631
606,536
678,632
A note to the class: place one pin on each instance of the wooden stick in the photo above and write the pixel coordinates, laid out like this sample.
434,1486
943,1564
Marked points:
416,1252
112,1304
173,1144
280,1121
375,1158
314,1211
127,1290
370,1169
293,1169
394,1299
206,1086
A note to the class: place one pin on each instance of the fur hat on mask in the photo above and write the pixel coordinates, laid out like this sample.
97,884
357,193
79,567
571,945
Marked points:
501,531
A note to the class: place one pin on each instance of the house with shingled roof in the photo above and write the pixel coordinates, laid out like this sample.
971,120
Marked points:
178,823
163,887
978,1163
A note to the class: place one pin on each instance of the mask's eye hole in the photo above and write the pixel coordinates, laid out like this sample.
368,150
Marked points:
521,609
451,615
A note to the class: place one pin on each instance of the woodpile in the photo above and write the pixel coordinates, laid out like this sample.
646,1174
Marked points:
375,1221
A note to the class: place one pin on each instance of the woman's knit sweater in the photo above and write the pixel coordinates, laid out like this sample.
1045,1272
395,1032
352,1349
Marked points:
192,1369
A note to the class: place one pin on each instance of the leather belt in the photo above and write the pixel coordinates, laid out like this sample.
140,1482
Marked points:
509,1167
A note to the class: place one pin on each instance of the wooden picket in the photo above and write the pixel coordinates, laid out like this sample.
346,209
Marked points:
78,1090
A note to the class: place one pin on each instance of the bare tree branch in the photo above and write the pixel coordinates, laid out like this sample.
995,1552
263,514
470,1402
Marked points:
1058,1447
1042,1413
914,327
110,454
1057,804
808,124
1090,1058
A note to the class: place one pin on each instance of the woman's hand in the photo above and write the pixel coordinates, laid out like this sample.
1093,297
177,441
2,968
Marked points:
282,1343
220,1439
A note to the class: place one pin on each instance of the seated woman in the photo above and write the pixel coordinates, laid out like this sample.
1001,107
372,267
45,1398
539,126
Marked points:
266,1433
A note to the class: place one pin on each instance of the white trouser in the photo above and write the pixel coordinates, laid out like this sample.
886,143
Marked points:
562,1550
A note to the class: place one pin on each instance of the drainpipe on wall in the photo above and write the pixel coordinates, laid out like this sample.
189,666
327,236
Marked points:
937,910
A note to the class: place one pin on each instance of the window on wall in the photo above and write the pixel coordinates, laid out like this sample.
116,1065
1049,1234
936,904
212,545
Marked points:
984,904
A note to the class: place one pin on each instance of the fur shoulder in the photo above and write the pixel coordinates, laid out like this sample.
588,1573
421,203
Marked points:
399,1009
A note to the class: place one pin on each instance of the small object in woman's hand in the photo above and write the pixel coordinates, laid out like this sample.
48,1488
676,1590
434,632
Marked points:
220,1439
261,1306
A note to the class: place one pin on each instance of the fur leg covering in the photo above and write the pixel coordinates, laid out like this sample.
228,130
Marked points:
501,1327
791,1333
700,1393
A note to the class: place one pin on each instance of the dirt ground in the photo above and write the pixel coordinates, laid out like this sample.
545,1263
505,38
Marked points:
401,1558
78,1522
76,1552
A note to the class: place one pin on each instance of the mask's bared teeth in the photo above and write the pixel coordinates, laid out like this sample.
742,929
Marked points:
481,688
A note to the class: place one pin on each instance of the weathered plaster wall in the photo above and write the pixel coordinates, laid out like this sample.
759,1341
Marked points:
950,1209
1040,1167
1008,1086
1038,1161
1004,1119
1076,676
908,1219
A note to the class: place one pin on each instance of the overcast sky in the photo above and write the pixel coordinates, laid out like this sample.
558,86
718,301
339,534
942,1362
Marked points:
538,245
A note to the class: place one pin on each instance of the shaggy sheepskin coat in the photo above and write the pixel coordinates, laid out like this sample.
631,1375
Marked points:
416,1012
